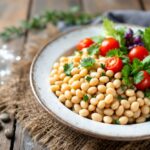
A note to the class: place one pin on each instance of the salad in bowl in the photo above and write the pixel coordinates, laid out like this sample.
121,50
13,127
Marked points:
107,78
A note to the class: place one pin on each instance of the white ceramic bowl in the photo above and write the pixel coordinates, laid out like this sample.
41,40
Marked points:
39,74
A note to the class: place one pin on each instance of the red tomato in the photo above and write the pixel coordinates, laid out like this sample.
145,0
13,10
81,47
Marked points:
84,43
114,63
145,83
107,45
139,52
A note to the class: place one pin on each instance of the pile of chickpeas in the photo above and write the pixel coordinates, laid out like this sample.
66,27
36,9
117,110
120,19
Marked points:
109,100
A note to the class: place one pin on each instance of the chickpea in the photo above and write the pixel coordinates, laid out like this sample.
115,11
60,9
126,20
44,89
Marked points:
58,83
120,110
66,79
94,82
117,83
85,86
96,117
125,104
100,96
135,106
62,76
76,85
68,94
137,114
147,101
91,107
109,99
84,104
100,70
51,80
75,100
101,104
108,112
109,85
100,111
92,90
77,59
107,119
82,80
64,87
111,91
115,105
131,99
128,113
131,120
77,108
95,74
118,75
94,101
141,101
76,77
123,120
120,91
140,94
53,72
145,110
104,79
79,93
71,81
140,119
83,112
58,93
68,104
109,73
54,88
130,92
56,65
102,88
63,59
83,72
61,69
73,91
62,98
75,71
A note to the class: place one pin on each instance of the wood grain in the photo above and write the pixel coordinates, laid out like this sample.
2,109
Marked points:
98,6
146,4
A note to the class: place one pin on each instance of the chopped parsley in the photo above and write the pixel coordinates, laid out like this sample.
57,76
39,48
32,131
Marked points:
119,97
85,98
138,77
68,68
147,93
102,66
116,121
98,39
103,74
88,78
87,62
93,49
115,52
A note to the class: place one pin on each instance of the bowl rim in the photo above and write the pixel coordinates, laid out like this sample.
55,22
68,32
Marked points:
58,118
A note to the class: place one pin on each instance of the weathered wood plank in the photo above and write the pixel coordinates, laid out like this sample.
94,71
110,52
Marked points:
146,4
10,13
98,6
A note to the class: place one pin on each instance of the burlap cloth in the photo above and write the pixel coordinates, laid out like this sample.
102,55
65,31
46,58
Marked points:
16,97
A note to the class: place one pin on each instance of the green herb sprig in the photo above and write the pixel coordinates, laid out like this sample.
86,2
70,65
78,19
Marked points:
72,17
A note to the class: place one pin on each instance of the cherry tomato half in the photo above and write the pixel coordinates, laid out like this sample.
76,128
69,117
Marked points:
114,63
84,43
145,83
139,52
107,45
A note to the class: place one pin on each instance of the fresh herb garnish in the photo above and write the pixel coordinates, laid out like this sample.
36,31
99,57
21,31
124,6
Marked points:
93,49
102,66
103,74
116,121
68,68
146,38
87,62
115,52
85,98
125,74
88,78
146,64
138,77
136,66
125,59
147,93
119,97
98,39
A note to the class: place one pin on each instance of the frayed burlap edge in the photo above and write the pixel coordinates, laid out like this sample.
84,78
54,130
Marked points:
17,98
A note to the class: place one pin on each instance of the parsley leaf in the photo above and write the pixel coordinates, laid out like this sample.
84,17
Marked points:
88,78
98,39
116,121
146,62
125,59
85,98
103,74
119,97
138,77
136,66
125,74
87,62
102,66
146,38
68,68
115,52
93,49
147,93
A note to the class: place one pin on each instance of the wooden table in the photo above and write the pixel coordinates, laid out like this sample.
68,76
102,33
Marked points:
12,11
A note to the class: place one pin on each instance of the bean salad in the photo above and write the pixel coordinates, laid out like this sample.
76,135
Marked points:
107,79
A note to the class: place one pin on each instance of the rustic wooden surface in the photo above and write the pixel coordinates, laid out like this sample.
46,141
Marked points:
11,12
